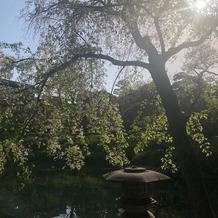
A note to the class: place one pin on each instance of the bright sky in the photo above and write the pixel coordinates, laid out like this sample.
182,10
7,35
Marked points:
10,27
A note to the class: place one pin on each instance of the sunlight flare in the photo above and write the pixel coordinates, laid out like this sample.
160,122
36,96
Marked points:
204,7
201,4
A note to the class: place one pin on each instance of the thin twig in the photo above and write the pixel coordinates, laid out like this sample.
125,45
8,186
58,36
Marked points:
120,71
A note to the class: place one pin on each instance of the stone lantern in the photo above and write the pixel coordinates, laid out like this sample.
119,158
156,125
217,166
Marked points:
135,199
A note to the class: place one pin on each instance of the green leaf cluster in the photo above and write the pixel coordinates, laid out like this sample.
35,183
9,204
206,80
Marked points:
154,130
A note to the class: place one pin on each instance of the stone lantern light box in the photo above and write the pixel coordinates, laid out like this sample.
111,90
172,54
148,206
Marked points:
135,197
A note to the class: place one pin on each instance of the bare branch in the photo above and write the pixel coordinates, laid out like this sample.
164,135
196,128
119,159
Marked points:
210,72
120,71
175,50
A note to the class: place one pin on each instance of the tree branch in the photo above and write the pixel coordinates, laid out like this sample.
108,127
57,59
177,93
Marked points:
66,64
142,42
175,50
114,61
120,71
160,35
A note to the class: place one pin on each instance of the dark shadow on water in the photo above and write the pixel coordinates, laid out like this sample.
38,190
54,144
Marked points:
50,193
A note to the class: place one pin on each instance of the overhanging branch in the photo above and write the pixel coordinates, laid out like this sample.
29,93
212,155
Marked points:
175,50
114,61
66,64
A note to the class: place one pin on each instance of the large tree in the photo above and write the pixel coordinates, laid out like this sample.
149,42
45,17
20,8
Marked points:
129,33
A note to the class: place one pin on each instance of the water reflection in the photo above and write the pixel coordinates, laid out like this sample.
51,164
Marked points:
72,213
102,213
60,196
69,213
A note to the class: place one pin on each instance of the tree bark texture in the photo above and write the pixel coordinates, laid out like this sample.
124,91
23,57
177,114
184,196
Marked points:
184,151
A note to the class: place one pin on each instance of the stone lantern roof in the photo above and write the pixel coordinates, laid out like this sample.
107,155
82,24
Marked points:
136,175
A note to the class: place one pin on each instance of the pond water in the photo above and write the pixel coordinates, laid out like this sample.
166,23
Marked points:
54,195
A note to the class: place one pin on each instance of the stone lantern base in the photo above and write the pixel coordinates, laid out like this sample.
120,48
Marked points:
146,214
136,208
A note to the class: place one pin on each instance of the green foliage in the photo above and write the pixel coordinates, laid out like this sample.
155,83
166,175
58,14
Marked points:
3,159
15,111
61,124
167,160
72,126
155,129
131,104
131,81
110,129
195,130
58,115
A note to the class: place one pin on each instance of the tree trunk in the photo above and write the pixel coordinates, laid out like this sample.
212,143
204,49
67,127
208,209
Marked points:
184,151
